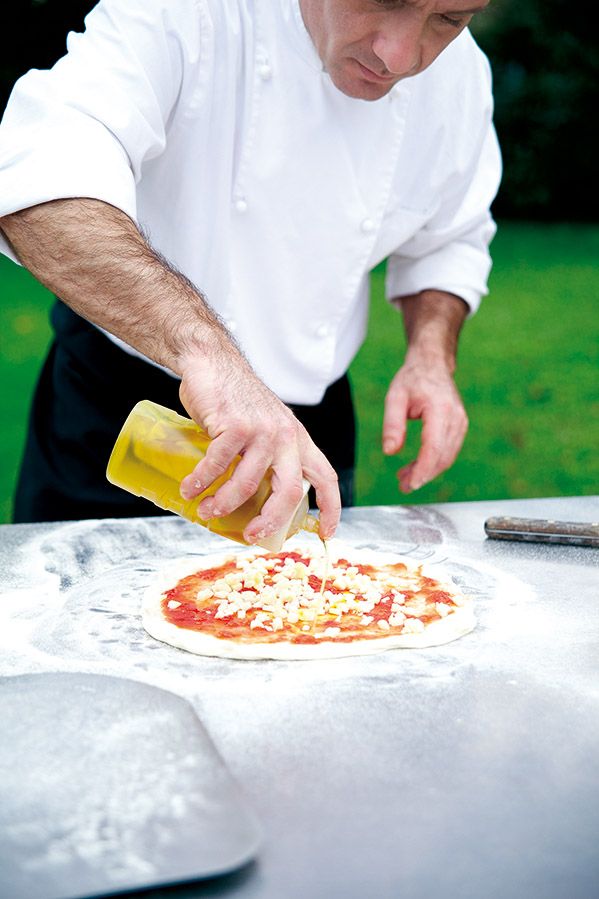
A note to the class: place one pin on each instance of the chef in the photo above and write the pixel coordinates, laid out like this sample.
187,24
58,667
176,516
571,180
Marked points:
206,185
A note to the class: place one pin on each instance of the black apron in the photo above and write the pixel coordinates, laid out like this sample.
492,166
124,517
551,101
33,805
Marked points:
86,389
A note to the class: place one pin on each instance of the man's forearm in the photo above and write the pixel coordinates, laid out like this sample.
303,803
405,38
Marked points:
96,260
93,256
433,320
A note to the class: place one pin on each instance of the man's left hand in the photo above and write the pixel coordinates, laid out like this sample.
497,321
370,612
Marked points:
421,392
424,387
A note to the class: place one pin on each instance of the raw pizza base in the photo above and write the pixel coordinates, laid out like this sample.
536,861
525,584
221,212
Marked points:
444,630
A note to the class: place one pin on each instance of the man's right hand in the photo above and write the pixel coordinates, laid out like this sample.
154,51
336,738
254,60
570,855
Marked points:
243,417
93,256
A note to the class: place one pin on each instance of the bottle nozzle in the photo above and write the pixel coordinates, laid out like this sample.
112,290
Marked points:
312,524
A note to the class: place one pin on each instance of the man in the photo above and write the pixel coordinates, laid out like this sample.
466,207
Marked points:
235,134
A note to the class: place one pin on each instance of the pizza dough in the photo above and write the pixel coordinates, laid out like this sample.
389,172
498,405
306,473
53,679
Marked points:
264,642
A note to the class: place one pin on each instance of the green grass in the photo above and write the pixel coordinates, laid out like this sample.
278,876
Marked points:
528,371
24,336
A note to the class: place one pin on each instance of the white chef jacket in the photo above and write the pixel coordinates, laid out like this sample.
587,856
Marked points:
212,124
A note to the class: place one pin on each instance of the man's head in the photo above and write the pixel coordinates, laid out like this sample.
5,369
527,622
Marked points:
367,46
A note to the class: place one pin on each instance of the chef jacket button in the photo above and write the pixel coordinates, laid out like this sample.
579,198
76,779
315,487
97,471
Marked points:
367,226
241,205
265,71
322,331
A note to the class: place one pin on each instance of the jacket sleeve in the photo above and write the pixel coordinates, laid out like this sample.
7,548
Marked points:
85,127
451,251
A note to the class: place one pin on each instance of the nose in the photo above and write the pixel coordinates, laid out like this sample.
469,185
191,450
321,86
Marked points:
401,49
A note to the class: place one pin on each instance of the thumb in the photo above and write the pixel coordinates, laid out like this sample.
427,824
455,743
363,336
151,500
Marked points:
394,421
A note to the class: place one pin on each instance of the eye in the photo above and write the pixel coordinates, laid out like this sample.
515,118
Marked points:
448,20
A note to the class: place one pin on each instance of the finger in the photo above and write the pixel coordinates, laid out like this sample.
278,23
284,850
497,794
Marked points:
456,425
395,420
323,478
443,431
244,483
404,476
433,436
457,432
287,493
219,455
432,448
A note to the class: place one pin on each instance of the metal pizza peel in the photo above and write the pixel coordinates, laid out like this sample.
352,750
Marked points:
109,785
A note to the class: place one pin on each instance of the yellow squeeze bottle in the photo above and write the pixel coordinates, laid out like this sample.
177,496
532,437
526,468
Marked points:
157,448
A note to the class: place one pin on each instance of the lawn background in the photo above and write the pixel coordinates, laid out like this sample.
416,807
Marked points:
528,371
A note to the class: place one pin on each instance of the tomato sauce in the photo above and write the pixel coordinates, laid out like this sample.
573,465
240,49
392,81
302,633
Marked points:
195,614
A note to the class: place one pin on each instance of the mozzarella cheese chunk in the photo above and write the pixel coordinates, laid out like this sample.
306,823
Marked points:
278,592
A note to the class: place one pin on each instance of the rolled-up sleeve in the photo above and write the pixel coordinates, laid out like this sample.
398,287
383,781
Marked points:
451,251
85,127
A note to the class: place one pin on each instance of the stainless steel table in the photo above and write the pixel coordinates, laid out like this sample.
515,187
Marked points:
466,770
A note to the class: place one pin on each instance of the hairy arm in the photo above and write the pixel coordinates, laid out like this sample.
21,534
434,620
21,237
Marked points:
94,257
424,387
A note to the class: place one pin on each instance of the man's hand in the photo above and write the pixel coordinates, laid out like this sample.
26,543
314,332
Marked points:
94,257
245,418
424,388
417,391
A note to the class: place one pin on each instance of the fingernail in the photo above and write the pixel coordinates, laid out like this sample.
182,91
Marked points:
266,531
190,490
387,446
416,484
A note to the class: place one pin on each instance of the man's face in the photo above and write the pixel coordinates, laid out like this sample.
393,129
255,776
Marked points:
367,46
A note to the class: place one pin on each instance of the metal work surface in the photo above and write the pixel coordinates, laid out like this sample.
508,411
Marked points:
107,784
465,770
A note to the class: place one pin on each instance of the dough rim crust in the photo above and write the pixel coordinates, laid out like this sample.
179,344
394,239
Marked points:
445,630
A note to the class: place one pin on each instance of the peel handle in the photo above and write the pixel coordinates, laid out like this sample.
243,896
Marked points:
542,530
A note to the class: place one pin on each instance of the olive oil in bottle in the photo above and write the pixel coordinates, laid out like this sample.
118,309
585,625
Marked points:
157,448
